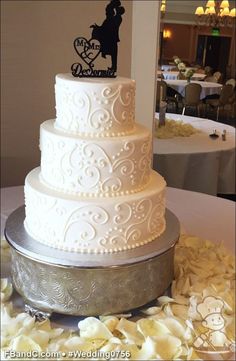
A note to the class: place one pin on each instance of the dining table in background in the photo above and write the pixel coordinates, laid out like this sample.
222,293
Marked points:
168,67
198,163
173,75
208,88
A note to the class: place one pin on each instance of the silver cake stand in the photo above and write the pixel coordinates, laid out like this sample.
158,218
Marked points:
50,280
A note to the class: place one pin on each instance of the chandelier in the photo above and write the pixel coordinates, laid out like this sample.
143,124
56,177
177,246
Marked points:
163,7
216,14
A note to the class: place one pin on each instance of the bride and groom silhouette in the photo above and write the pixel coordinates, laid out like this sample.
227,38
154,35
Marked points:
108,33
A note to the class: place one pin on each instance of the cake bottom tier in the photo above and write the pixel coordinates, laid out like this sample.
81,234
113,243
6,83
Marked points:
83,284
94,225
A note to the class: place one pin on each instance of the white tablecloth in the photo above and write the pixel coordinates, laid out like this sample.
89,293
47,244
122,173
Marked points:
198,163
199,214
208,88
173,75
168,67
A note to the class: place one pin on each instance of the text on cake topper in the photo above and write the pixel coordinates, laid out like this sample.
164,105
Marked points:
104,40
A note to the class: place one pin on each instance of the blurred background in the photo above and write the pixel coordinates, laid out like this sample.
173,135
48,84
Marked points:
37,43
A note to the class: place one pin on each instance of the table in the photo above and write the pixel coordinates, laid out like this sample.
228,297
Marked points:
208,88
198,163
199,214
173,75
168,67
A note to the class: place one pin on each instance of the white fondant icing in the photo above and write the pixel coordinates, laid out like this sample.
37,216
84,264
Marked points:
100,107
83,224
94,167
95,192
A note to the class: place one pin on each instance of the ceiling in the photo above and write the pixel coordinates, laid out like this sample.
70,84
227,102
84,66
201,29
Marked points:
183,11
188,7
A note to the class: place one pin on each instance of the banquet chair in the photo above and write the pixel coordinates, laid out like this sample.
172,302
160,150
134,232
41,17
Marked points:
160,85
231,82
208,70
218,76
170,95
226,93
211,79
160,76
232,105
173,97
200,71
192,97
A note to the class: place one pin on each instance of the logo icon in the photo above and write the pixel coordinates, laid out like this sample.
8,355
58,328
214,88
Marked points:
212,337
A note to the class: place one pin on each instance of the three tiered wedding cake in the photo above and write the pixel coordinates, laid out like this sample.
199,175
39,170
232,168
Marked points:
95,191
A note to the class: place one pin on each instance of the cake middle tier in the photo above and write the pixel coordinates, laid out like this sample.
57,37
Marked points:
94,225
95,167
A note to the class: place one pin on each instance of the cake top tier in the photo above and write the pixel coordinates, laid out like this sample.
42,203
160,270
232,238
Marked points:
96,107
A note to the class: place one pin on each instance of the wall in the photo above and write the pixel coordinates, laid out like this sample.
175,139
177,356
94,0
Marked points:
180,42
146,25
183,41
37,38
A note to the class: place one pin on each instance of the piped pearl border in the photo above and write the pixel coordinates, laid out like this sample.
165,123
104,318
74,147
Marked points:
94,135
93,194
98,250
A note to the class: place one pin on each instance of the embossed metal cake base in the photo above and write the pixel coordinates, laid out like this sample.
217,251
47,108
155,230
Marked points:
89,284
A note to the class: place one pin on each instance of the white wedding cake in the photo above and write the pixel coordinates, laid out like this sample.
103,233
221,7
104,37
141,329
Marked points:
95,191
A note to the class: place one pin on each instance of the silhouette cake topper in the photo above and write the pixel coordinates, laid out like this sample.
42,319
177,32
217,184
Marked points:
104,40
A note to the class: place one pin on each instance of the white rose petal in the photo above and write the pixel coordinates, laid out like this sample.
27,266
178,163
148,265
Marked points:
40,337
151,327
180,311
168,347
4,244
46,326
152,311
202,269
108,347
130,331
167,309
24,343
149,350
92,328
110,322
177,328
78,343
174,128
6,289
165,299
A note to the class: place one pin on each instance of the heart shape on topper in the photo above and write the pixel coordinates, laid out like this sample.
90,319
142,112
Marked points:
88,50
